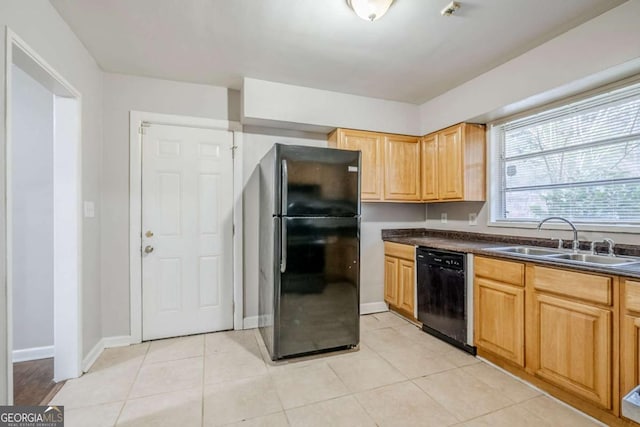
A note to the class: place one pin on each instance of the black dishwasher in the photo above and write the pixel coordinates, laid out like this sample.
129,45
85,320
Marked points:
442,295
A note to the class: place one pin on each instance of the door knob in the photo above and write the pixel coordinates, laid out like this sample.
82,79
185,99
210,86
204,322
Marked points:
148,249
149,233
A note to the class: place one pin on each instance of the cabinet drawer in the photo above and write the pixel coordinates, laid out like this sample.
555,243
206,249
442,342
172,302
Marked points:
399,250
632,295
499,270
587,287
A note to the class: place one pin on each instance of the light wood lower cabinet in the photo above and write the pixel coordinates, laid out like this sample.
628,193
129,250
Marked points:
572,333
399,277
571,347
629,336
391,268
499,324
499,308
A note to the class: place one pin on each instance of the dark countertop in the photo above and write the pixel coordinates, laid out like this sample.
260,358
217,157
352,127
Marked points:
482,244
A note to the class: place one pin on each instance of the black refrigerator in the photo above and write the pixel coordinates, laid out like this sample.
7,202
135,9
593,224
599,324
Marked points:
309,283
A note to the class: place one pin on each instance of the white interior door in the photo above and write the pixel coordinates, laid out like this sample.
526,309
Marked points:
187,231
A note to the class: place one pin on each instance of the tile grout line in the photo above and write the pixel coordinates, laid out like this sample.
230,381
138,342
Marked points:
132,383
204,356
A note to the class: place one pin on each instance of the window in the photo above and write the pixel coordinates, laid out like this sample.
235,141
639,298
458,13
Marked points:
580,161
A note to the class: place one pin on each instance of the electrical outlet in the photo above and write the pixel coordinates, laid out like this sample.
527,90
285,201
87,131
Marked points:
443,218
473,219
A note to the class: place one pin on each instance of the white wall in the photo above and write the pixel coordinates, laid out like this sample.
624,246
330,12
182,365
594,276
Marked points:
604,49
40,26
275,104
375,216
32,188
121,95
603,43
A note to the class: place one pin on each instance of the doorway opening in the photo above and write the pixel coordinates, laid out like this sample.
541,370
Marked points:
43,244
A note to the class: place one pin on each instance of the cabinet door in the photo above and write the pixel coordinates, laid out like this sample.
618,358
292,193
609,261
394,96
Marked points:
429,169
406,285
450,167
370,144
630,336
629,353
572,347
499,319
391,266
401,168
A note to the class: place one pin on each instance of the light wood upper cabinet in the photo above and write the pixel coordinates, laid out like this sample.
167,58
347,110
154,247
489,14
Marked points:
401,168
450,167
371,146
499,308
429,167
629,336
454,161
399,277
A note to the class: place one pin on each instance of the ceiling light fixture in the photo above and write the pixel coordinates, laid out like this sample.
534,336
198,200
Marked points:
450,9
370,10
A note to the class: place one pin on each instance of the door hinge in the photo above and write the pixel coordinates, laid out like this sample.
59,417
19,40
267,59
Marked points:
233,229
233,151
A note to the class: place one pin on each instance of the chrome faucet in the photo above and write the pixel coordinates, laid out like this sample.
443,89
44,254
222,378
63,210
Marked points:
610,243
576,242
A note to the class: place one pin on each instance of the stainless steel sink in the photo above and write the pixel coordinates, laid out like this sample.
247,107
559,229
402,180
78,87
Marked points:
596,259
528,250
561,255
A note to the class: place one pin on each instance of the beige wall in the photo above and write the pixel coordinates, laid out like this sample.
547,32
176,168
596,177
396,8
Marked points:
123,94
265,103
40,26
32,181
602,50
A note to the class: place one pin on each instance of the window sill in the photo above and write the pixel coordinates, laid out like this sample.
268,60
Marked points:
581,226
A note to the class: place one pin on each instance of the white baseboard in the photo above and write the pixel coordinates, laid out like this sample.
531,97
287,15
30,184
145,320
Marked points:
373,307
93,355
117,341
250,322
33,353
106,342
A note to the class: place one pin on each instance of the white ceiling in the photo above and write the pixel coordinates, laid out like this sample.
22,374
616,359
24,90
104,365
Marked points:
412,54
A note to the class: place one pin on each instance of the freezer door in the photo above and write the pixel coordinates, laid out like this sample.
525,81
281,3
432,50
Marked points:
319,285
319,181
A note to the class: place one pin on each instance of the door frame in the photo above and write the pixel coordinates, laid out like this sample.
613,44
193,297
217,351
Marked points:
136,121
68,299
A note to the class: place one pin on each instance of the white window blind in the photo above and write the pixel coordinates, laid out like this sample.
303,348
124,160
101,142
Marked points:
580,161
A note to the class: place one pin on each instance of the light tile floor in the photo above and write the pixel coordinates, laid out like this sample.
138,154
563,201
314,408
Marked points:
400,376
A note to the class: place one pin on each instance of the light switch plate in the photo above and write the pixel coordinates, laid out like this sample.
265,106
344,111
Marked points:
89,209
443,218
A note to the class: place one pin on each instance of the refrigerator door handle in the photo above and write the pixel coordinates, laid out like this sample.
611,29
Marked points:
283,246
285,186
